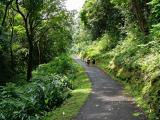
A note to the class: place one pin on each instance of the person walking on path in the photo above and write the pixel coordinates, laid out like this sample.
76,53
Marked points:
88,61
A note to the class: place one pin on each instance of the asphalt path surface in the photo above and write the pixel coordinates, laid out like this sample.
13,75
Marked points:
107,101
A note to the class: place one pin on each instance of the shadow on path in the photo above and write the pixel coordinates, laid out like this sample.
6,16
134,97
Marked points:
107,100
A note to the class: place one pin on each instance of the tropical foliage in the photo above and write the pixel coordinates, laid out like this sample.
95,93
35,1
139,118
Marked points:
36,71
47,90
32,33
127,45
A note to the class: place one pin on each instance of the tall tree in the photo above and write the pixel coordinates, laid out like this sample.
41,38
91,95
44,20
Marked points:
101,16
30,15
141,11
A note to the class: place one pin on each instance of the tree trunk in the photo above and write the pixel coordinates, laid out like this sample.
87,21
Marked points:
39,53
5,13
30,59
11,51
139,12
29,33
4,17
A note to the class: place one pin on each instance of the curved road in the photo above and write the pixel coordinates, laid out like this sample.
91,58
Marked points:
107,100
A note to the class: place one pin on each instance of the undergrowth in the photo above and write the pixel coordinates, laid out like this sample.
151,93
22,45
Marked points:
50,86
135,62
71,107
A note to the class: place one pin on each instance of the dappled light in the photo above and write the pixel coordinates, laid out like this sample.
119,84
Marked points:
123,37
80,59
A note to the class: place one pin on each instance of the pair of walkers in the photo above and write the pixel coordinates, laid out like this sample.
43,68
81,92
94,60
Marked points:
89,61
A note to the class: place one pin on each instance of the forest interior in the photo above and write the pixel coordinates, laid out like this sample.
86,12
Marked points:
39,80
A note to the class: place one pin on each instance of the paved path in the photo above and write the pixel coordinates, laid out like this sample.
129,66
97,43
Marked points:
107,100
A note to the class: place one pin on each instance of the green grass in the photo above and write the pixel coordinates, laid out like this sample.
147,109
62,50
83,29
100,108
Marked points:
71,107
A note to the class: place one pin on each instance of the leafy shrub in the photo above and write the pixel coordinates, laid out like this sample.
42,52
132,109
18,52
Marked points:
31,100
46,91
103,44
60,65
55,88
135,61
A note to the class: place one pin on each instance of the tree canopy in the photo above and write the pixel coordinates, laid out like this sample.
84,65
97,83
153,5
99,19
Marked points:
32,32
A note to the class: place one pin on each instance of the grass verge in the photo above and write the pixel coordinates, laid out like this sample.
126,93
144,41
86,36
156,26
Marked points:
70,108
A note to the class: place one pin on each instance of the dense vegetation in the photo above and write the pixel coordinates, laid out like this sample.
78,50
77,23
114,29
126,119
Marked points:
36,71
124,38
32,33
47,90
79,94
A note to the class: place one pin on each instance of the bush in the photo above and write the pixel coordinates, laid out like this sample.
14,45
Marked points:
135,61
31,100
55,88
63,65
48,88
